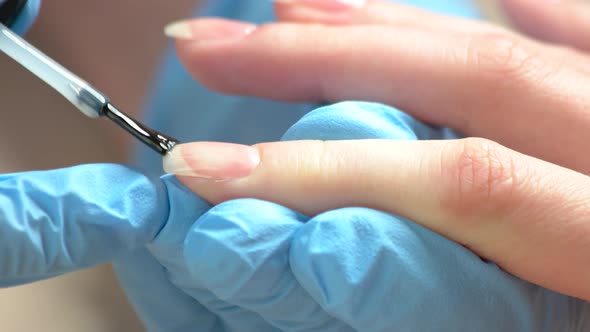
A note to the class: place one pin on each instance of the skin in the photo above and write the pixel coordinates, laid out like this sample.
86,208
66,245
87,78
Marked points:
517,195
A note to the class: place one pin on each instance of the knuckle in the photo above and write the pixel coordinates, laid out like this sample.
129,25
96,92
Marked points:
480,179
499,55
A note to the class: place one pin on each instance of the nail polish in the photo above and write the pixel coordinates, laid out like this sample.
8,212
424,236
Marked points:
212,160
209,30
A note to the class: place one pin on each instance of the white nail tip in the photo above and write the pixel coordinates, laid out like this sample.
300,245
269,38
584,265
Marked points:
174,162
178,30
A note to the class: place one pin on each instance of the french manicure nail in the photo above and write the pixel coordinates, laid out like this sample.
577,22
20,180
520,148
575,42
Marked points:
327,4
212,160
208,30
178,30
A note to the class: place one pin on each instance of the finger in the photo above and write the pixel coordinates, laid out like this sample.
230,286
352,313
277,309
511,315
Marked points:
470,83
387,13
374,12
148,274
58,221
166,254
521,212
378,272
562,22
363,12
239,251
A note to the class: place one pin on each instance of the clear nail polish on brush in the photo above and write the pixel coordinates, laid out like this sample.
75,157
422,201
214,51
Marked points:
80,93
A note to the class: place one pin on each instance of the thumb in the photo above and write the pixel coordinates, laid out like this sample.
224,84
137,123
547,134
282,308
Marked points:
53,222
559,21
516,210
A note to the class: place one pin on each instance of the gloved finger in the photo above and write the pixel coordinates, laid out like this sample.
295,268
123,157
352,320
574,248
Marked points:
378,272
371,12
562,22
147,281
513,209
471,83
239,251
26,17
58,221
187,305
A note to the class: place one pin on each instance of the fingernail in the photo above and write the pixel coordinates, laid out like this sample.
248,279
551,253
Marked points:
179,30
327,4
208,30
212,160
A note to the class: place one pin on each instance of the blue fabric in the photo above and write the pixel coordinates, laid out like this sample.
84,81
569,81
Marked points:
26,17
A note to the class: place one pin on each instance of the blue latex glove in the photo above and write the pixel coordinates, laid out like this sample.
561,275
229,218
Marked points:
26,17
248,265
59,221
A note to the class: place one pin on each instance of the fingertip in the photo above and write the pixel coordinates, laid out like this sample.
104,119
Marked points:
212,50
209,30
556,21
526,15
213,161
269,61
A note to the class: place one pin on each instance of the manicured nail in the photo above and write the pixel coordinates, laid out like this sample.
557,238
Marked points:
212,160
327,4
208,29
179,30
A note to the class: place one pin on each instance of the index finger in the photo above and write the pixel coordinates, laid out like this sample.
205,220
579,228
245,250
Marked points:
523,213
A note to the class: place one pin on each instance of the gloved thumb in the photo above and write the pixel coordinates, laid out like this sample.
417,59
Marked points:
53,222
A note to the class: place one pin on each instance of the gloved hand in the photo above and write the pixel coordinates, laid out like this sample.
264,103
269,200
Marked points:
26,17
248,265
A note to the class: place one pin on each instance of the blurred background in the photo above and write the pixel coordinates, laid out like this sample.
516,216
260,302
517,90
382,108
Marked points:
116,45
